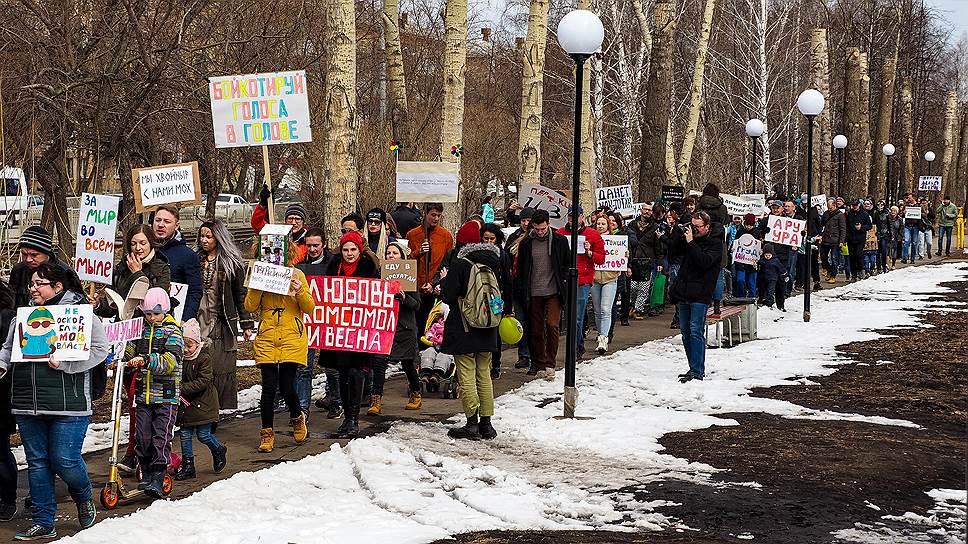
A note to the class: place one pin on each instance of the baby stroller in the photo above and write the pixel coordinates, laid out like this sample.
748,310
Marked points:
438,372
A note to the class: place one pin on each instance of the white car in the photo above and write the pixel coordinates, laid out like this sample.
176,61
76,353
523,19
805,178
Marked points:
231,208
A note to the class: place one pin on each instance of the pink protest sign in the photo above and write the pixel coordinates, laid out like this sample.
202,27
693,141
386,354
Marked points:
124,331
785,230
352,314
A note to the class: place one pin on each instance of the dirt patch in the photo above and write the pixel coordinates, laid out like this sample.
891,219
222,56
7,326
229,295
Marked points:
568,537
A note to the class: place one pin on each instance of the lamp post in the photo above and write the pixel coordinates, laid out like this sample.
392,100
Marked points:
810,103
888,150
840,143
929,157
580,34
754,129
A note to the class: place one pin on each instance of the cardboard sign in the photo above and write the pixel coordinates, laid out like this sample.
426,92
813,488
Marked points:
168,184
912,212
427,181
543,198
179,292
97,228
747,250
260,109
819,201
274,244
616,253
785,230
124,331
737,205
64,330
673,193
929,183
352,314
616,199
404,272
270,278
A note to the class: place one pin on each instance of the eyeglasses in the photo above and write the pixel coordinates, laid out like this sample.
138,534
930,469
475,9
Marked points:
38,284
39,324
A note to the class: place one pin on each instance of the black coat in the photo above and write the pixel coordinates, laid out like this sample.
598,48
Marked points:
701,262
185,269
8,423
366,268
198,389
309,268
861,217
405,346
713,205
559,266
453,287
406,219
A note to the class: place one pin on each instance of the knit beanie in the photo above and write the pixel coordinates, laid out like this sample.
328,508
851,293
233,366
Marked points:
749,220
469,233
35,237
376,214
352,237
710,190
296,209
767,248
156,300
192,331
402,246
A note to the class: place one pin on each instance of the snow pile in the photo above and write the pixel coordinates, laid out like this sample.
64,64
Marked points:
944,524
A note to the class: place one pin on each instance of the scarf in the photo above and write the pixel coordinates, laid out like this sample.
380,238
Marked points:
347,269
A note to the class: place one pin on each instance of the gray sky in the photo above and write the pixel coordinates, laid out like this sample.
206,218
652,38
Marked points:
957,14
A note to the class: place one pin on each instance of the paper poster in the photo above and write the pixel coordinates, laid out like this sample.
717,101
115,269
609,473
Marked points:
352,314
124,331
427,181
929,183
542,198
168,184
737,205
785,230
912,212
581,241
616,253
97,228
270,278
403,271
616,199
260,109
274,244
819,201
64,330
673,193
747,249
179,292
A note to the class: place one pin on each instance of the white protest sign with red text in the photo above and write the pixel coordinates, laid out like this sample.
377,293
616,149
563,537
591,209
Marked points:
352,314
785,230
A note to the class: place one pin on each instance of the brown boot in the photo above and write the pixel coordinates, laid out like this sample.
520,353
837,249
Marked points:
376,405
299,430
416,400
267,440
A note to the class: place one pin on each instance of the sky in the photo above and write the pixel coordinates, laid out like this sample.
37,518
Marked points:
957,14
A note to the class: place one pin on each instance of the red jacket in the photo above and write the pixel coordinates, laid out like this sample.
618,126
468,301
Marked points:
586,264
260,218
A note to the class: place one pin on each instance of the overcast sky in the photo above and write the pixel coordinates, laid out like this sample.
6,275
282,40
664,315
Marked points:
957,14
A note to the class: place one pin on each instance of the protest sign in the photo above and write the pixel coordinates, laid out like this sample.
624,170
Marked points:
352,314
616,253
542,198
819,201
912,212
785,230
260,109
616,199
167,184
581,242
737,205
427,181
179,292
274,244
929,183
97,227
270,278
404,271
673,193
64,330
124,331
747,250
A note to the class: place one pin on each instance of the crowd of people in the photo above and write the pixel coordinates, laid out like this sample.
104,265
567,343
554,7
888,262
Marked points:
182,373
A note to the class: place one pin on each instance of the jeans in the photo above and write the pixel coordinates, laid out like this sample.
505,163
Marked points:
912,239
583,291
944,239
52,445
476,389
926,243
205,436
720,286
521,311
870,261
884,253
745,284
792,268
692,324
304,381
603,298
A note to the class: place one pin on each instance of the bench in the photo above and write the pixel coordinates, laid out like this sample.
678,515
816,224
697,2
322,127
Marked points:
729,317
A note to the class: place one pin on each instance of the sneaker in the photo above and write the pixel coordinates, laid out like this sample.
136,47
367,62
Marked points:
688,378
324,403
549,375
128,464
817,286
8,510
540,373
335,412
523,362
602,345
86,513
36,532
533,371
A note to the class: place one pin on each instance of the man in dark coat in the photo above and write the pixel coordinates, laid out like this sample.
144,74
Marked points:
833,234
406,217
701,248
317,257
858,223
183,261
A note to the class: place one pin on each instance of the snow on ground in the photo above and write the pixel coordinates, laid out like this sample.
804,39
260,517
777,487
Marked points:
417,485
944,524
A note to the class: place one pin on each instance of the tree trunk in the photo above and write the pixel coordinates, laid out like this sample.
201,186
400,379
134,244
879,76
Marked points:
655,126
762,97
907,137
532,94
451,129
340,121
825,175
960,185
884,115
588,180
950,139
857,121
396,80
696,94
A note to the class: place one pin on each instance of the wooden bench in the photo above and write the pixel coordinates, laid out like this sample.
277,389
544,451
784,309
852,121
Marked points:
728,316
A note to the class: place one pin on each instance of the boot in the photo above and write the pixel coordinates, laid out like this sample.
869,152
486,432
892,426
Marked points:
267,439
416,400
341,430
469,431
523,362
487,431
716,307
299,430
376,405
218,459
675,322
187,469
156,488
602,345
145,464
350,427
128,464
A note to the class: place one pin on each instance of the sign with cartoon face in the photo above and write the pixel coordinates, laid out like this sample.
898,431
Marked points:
43,331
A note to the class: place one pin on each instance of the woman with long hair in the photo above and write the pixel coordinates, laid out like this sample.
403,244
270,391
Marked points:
141,260
604,289
221,312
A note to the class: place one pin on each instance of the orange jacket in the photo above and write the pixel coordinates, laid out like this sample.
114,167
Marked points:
441,241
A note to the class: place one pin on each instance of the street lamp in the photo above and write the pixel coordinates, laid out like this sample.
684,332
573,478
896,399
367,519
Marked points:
840,143
754,129
810,103
929,156
889,151
580,34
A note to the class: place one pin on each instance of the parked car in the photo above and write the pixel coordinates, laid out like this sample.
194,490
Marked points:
230,208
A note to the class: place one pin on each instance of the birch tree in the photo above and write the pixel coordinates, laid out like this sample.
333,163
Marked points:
396,79
820,80
451,130
907,137
696,94
588,181
950,137
532,94
857,124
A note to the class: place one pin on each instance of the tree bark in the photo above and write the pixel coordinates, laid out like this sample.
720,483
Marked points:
532,94
588,181
696,95
655,126
884,116
957,192
857,121
396,80
950,139
340,120
823,168
451,130
907,137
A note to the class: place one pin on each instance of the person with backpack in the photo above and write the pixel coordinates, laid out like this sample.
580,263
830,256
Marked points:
470,288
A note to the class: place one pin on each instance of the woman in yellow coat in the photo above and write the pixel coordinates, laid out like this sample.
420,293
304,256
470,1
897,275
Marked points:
280,349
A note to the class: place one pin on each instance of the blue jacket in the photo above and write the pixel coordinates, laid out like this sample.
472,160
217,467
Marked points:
772,269
184,269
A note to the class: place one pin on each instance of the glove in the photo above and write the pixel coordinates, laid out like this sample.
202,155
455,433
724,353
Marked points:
137,362
264,195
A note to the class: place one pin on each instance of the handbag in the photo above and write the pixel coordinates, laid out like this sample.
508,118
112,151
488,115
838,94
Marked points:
657,296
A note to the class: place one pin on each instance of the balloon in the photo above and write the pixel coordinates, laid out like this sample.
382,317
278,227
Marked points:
510,330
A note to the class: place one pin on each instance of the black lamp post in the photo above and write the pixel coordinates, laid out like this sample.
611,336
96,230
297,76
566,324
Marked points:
889,151
840,143
754,129
810,103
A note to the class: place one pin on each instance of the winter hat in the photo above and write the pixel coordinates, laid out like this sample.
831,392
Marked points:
352,237
156,301
768,248
35,237
401,245
526,213
192,331
376,214
469,233
710,190
296,209
749,219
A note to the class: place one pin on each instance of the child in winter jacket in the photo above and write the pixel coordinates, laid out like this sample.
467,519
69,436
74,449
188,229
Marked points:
199,406
773,272
157,360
